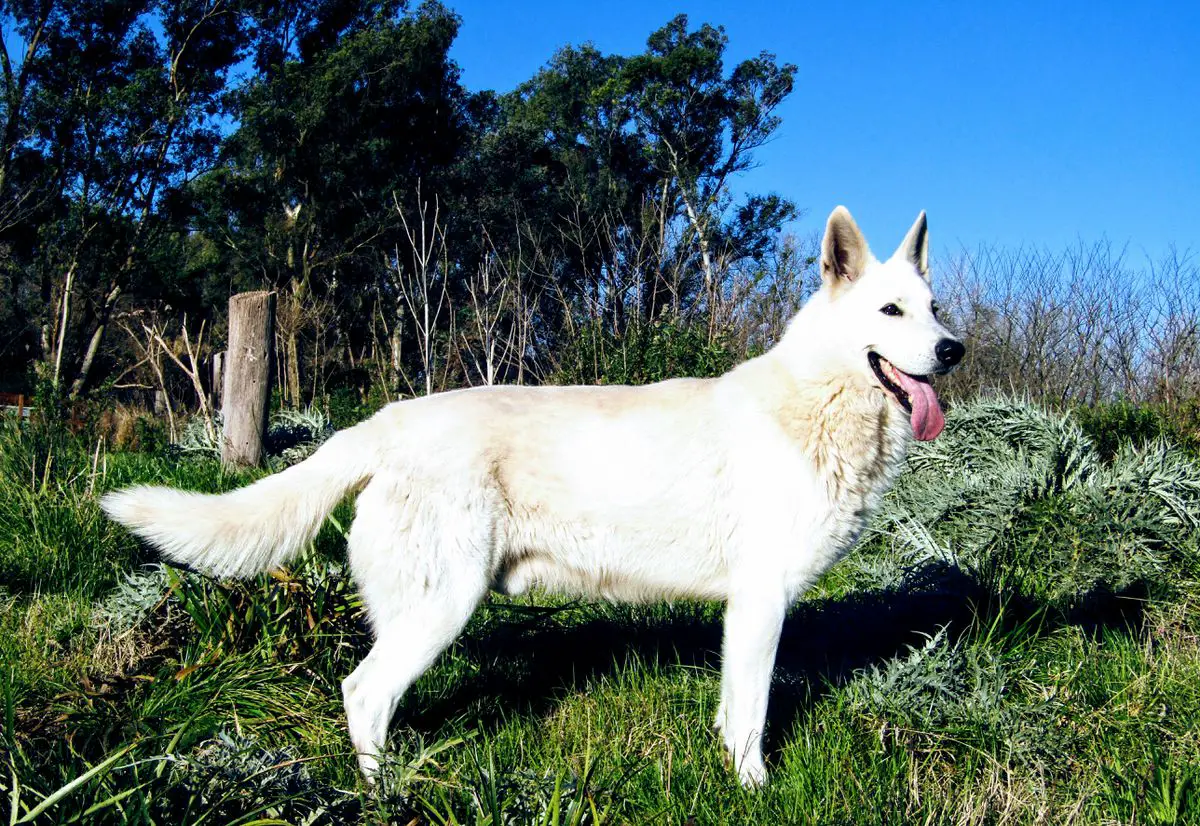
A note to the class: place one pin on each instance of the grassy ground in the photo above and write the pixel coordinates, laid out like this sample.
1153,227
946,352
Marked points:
1015,641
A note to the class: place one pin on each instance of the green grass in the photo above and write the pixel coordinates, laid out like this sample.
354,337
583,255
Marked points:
1016,640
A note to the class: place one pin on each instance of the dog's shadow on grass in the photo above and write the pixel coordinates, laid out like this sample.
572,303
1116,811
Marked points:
525,658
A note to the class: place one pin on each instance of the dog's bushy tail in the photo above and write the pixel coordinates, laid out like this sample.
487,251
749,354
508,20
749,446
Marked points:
256,528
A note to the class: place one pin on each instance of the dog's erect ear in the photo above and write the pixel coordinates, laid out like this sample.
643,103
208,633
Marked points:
915,246
844,252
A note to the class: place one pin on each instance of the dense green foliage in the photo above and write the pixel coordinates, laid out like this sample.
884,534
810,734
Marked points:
1015,640
158,156
1109,425
646,353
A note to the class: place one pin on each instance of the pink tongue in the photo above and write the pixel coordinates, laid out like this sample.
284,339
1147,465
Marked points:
927,417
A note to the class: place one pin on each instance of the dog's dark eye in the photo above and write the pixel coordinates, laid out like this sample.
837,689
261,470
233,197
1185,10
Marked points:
890,309
934,307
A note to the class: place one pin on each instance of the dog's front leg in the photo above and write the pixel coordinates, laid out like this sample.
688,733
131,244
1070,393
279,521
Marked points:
753,621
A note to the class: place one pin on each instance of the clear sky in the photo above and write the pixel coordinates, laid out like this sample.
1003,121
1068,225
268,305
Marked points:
1011,123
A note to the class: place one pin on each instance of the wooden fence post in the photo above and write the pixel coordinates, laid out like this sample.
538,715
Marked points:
247,389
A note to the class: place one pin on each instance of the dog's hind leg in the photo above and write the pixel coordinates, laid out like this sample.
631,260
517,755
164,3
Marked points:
401,654
422,569
753,622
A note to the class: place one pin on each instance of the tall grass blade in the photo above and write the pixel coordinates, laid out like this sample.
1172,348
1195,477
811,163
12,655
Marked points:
54,797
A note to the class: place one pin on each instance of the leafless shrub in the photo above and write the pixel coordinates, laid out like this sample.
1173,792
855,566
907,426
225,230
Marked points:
762,296
306,331
1079,326
1173,336
150,337
419,278
498,332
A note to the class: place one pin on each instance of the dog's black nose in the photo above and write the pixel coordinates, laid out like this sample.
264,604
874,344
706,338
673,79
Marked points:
949,352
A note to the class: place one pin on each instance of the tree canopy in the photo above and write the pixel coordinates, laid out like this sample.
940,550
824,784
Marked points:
159,155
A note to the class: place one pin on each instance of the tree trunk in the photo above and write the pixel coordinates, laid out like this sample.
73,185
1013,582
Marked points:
63,325
247,378
218,380
89,357
291,352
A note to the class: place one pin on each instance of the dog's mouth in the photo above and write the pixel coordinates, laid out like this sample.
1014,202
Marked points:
913,393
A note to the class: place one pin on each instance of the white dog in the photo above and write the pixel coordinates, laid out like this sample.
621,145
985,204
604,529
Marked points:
744,488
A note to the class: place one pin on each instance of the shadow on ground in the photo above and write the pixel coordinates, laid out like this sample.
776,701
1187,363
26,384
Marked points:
529,657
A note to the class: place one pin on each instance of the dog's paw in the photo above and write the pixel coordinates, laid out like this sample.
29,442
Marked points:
752,774
751,771
368,765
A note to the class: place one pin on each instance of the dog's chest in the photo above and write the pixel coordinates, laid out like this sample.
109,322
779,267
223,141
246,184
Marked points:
858,455
855,446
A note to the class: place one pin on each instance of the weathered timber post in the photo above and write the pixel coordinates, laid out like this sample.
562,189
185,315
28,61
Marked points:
247,387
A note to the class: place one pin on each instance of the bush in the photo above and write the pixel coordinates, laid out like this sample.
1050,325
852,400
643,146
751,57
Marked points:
958,686
348,406
647,352
1023,497
292,436
1111,425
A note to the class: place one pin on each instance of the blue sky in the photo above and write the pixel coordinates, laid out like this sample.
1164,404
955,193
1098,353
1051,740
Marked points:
1011,123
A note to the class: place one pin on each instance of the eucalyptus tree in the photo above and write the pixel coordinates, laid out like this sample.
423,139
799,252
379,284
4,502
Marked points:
350,106
641,154
120,101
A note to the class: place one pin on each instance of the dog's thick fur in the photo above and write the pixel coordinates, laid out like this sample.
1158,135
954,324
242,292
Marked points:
744,488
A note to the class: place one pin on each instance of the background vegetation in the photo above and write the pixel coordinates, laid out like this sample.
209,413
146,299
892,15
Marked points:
1015,640
158,155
